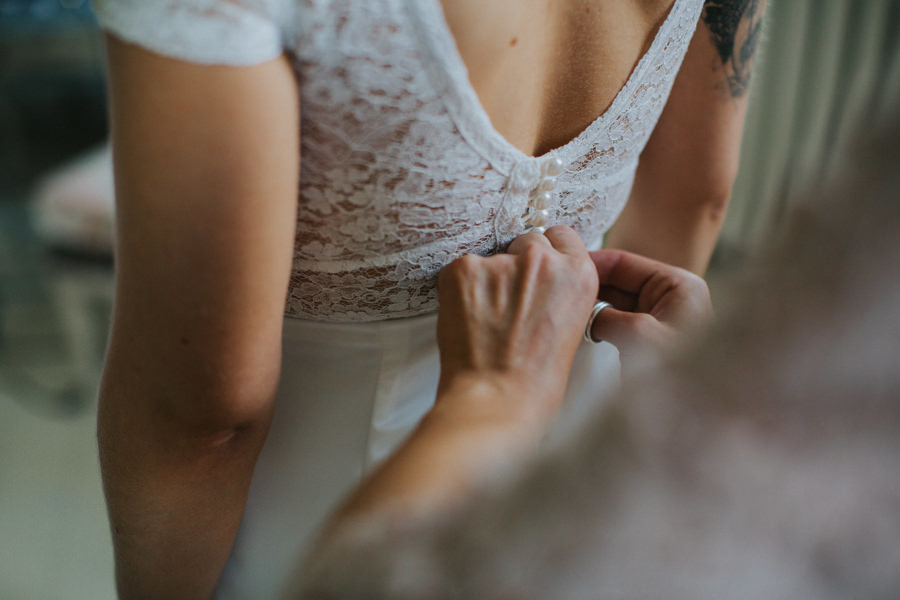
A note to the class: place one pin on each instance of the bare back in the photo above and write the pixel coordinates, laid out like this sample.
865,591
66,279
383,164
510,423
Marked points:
545,70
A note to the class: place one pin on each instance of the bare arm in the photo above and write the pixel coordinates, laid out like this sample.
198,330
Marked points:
684,180
494,400
508,328
206,176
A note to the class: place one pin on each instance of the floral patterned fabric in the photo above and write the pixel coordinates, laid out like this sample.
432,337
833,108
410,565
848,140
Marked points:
401,170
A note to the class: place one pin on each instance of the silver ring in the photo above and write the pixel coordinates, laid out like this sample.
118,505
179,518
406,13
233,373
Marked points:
598,308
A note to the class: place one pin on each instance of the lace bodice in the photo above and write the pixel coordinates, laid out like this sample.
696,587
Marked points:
402,171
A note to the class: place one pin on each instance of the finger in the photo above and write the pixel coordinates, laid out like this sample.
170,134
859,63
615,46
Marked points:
626,329
627,271
619,299
519,244
565,240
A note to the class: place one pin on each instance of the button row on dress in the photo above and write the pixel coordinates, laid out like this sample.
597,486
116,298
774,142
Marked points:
538,214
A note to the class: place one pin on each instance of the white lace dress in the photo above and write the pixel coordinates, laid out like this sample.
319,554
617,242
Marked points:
402,172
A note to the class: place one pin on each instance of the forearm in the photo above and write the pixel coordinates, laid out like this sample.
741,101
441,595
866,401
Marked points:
470,434
494,402
175,493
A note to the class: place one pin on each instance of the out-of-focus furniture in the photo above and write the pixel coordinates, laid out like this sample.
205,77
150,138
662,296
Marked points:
52,99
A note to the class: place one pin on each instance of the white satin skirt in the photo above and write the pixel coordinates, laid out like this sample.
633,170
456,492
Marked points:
348,394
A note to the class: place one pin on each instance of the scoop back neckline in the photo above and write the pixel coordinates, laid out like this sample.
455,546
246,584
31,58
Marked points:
450,76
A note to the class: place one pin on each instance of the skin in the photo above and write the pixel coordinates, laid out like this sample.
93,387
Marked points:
210,154
498,395
489,403
652,303
533,41
194,354
684,178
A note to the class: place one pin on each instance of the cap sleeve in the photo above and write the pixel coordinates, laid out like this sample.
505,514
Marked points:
224,32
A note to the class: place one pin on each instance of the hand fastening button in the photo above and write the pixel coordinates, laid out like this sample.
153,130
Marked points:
537,215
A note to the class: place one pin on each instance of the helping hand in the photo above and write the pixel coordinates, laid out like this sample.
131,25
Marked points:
653,304
516,319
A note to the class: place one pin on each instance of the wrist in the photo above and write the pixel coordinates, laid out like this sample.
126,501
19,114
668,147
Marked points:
504,399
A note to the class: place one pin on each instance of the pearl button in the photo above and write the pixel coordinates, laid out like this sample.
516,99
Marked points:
542,200
536,215
552,166
539,218
547,184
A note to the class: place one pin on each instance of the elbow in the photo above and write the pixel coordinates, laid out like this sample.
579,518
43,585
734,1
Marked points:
708,195
209,407
216,412
696,192
218,420
713,205
718,186
230,403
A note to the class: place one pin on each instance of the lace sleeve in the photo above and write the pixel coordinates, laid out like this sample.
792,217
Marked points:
225,32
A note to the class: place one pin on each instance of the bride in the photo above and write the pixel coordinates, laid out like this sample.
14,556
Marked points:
291,176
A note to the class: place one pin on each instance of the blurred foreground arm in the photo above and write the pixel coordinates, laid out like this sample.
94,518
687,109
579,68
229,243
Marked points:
762,463
508,329
206,163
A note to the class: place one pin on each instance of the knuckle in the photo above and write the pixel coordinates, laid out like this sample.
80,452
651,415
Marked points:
698,284
536,255
642,324
524,241
458,270
587,274
691,280
559,230
466,264
693,286
534,247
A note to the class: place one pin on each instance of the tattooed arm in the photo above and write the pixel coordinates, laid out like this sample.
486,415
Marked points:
734,27
684,180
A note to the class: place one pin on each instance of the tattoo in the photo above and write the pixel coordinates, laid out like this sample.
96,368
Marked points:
735,27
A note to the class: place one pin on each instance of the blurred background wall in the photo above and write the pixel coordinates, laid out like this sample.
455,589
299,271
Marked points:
54,308
51,86
829,71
